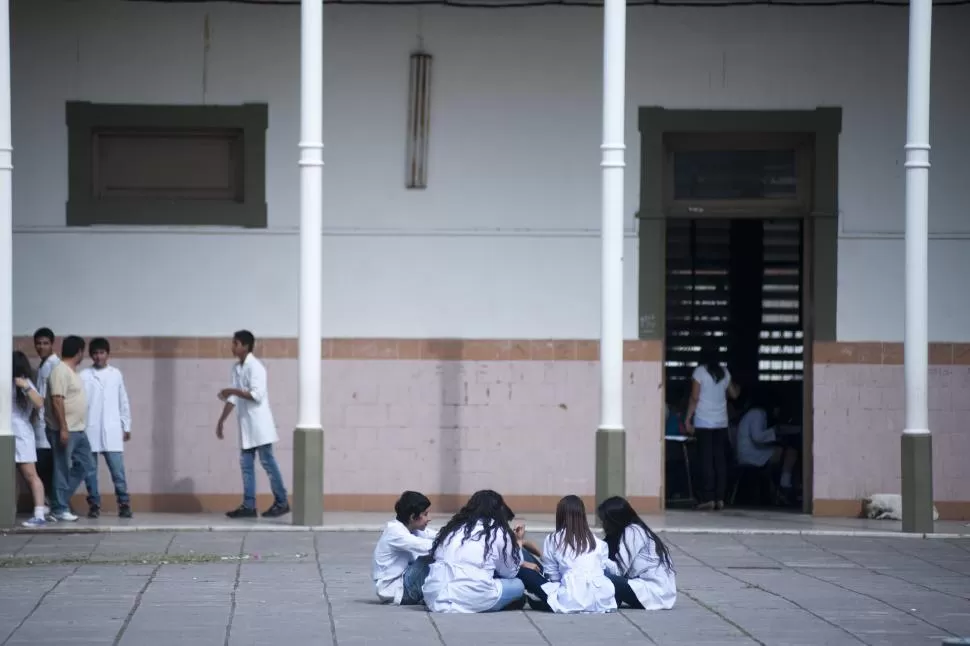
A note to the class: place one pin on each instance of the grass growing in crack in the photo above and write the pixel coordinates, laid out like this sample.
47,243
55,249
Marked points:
133,559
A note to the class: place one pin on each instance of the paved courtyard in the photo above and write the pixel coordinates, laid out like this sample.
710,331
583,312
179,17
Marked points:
256,588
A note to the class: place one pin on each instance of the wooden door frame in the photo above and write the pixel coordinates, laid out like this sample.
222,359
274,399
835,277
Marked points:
819,232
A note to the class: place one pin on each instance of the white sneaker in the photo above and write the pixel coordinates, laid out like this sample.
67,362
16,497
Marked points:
35,522
65,517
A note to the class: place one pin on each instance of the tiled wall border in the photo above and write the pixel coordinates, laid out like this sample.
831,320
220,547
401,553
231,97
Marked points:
363,349
887,354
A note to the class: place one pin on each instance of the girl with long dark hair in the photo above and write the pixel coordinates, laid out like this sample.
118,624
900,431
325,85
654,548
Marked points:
707,420
639,566
476,560
574,560
26,402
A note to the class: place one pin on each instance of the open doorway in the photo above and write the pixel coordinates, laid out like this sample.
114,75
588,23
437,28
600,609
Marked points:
734,285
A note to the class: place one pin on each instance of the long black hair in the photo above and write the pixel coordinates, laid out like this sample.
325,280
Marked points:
22,369
571,521
616,515
711,360
488,508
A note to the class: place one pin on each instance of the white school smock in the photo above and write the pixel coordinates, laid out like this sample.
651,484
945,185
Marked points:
711,411
109,413
637,561
462,577
43,377
256,425
577,582
25,444
396,549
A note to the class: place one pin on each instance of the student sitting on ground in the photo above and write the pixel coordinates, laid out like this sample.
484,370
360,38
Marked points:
573,560
639,565
400,558
476,559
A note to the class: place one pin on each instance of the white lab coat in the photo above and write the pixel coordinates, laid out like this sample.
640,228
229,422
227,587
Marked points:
256,425
637,561
755,438
577,582
43,378
109,413
396,549
462,578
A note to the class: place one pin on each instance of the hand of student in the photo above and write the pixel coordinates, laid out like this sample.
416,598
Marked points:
219,430
224,394
127,437
65,437
519,532
21,382
689,428
529,565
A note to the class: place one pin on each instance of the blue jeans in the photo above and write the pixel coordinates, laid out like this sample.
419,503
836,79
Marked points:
247,462
116,466
510,590
414,578
72,463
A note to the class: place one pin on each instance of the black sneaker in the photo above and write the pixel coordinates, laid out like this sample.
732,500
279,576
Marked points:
518,604
94,511
277,510
242,512
124,511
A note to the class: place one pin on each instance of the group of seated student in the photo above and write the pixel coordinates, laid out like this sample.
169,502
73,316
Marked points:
478,562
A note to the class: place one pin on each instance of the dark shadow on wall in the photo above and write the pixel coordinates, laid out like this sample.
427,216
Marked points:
170,495
447,355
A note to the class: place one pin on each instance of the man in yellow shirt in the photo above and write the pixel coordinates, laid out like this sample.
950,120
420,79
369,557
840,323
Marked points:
65,415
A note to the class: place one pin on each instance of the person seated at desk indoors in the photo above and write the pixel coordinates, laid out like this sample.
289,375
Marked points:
758,446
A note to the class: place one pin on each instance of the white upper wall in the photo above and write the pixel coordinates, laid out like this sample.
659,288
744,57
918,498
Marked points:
504,242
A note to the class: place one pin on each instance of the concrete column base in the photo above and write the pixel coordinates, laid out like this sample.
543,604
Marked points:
307,496
917,483
8,481
610,464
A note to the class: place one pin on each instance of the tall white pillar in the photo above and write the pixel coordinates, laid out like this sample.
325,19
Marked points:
917,454
8,483
611,436
308,437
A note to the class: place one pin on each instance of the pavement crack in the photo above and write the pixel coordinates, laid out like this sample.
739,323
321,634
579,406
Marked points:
637,626
534,625
40,602
717,613
138,597
326,593
22,547
235,588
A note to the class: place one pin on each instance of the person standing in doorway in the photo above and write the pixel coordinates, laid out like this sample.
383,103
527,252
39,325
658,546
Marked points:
707,420
44,347
257,430
65,412
108,426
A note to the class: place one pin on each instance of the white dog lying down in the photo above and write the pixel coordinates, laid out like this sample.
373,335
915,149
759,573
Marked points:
887,506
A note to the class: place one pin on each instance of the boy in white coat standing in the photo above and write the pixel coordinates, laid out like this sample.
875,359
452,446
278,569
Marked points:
108,427
257,430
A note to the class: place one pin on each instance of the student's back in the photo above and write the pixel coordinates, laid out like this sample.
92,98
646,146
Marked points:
577,582
654,583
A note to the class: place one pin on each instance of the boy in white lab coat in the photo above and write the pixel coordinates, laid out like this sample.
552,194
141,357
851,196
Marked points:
401,560
108,426
257,430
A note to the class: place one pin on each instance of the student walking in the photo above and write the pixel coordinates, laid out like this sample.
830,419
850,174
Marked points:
108,426
257,430
26,402
65,412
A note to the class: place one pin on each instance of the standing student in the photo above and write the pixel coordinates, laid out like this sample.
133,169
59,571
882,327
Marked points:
401,562
65,412
257,430
707,420
639,566
44,347
26,402
108,426
476,560
574,561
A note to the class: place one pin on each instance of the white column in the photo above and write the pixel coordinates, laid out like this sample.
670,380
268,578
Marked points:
8,506
611,325
311,210
916,346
